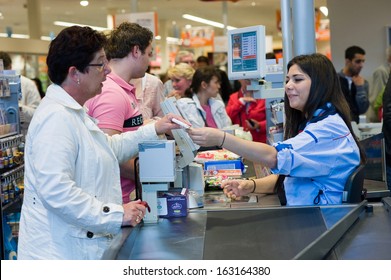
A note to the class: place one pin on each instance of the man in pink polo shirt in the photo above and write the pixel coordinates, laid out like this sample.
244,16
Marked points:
129,51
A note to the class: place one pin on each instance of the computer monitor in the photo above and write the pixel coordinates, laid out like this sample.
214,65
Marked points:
188,150
375,167
246,53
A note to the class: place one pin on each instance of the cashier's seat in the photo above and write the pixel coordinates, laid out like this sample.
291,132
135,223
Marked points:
354,191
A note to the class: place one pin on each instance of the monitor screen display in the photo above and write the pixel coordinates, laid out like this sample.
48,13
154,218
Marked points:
375,167
246,53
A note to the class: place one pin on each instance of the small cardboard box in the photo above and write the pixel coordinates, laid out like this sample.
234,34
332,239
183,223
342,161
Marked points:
224,173
172,205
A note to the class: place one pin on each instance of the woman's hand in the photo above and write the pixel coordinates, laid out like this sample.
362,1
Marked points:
165,124
176,93
236,188
206,136
134,212
247,99
252,124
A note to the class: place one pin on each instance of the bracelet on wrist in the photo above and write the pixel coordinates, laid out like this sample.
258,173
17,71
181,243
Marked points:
222,143
255,185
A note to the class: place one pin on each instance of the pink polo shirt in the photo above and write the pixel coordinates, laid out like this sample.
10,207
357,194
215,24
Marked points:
117,108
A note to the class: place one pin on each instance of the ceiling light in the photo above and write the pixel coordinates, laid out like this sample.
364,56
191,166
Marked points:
173,40
84,3
68,24
18,36
206,21
324,10
24,36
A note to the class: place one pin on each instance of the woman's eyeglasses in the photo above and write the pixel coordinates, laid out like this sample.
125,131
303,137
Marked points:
99,66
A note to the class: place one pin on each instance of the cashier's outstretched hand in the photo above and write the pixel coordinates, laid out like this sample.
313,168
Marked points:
206,136
134,212
236,188
164,125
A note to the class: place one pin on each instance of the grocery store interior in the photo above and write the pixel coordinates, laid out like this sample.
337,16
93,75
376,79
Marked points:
201,26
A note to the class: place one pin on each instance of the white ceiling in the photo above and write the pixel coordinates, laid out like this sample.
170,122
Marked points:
241,13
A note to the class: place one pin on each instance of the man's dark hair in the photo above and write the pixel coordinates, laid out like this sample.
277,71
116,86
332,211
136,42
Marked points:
203,59
351,52
125,37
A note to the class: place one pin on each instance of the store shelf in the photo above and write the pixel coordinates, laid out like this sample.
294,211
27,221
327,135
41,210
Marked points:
14,206
11,164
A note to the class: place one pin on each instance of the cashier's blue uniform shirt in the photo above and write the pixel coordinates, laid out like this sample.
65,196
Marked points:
321,157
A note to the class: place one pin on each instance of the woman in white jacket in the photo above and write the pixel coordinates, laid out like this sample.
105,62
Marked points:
200,106
72,206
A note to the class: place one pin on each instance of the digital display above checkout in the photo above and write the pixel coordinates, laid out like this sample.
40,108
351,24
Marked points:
244,52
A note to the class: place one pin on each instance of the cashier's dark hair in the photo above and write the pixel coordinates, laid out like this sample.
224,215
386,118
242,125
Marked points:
325,87
73,46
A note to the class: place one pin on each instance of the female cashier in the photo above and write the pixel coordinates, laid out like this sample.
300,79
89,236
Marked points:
320,149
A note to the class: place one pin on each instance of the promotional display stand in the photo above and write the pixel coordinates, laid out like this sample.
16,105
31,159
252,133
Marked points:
11,163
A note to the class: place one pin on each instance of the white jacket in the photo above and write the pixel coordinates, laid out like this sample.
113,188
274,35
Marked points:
191,110
72,201
28,102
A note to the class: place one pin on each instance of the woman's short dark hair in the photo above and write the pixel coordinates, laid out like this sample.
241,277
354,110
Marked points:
73,46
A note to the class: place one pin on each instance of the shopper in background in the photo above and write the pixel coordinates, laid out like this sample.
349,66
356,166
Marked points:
248,112
30,98
200,106
387,128
181,57
354,87
180,76
225,84
202,61
129,50
38,83
225,87
320,149
149,94
379,80
72,205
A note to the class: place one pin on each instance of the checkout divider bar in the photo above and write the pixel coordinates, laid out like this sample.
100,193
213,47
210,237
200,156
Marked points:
127,234
320,247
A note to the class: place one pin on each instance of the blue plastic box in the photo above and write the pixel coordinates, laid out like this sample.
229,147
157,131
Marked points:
224,165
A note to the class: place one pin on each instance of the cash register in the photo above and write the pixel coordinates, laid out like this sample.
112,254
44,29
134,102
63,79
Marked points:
166,163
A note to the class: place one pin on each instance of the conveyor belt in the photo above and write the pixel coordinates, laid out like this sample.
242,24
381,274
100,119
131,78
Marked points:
325,232
261,234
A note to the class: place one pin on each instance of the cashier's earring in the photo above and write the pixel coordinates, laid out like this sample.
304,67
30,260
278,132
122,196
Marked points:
78,81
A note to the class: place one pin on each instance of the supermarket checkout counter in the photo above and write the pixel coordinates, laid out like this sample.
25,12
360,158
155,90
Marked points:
257,227
262,230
